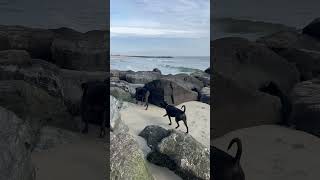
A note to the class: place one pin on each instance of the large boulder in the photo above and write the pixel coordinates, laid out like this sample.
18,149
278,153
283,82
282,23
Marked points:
71,83
39,73
205,95
80,51
301,50
251,64
121,94
237,107
179,152
126,159
124,85
36,41
33,104
275,152
306,107
139,77
15,147
204,77
186,81
313,29
170,92
116,124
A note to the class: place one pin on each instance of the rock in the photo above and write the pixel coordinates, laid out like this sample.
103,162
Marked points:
275,152
186,81
181,153
203,77
153,135
15,147
127,87
252,64
301,50
33,105
39,73
237,107
80,51
306,107
71,82
126,159
140,77
52,136
116,124
14,57
157,70
205,95
208,70
121,94
169,91
313,29
35,41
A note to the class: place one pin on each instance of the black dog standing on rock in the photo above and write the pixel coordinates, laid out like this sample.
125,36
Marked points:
94,105
142,94
224,166
178,114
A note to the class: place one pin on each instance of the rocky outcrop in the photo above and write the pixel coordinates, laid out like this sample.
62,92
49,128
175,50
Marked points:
125,86
33,104
178,151
306,107
274,152
71,82
301,50
241,60
139,77
77,51
14,57
169,91
15,147
39,73
313,29
35,41
184,80
204,77
205,95
237,107
121,94
126,159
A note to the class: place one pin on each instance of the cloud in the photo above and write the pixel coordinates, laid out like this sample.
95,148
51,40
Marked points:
160,18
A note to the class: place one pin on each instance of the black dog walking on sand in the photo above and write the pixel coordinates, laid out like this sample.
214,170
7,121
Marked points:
142,94
178,114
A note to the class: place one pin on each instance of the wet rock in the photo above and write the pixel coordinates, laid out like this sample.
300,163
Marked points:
153,135
203,77
205,95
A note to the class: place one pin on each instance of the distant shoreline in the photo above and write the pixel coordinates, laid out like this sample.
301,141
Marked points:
144,56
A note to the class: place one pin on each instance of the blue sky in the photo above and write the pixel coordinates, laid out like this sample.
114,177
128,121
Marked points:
160,27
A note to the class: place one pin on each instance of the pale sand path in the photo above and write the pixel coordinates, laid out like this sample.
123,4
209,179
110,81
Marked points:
198,117
82,159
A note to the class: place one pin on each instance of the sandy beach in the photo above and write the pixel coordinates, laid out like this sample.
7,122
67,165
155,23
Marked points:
137,118
81,159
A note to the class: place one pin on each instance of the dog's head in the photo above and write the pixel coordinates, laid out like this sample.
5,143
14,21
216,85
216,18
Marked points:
163,104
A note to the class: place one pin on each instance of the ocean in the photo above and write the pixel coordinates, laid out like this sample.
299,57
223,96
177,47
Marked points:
172,65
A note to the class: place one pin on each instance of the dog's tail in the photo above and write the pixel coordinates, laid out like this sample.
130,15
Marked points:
239,151
184,108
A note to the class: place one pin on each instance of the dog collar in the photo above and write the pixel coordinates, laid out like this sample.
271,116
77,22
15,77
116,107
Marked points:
167,106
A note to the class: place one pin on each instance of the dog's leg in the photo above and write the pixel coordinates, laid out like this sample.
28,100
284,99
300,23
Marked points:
177,121
84,115
185,123
165,115
169,120
103,124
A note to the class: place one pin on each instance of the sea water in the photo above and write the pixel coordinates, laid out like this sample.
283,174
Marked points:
172,65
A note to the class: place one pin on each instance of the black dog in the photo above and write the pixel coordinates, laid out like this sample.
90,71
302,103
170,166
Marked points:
94,105
178,114
142,94
224,166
